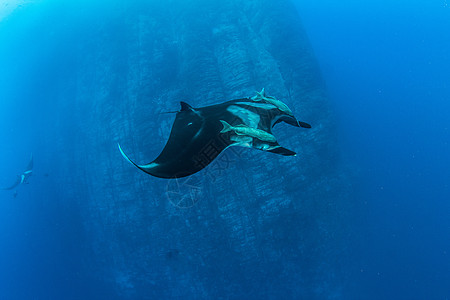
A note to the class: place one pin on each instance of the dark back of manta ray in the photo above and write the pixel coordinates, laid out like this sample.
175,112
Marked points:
194,141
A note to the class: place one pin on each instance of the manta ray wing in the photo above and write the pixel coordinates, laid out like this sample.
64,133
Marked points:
14,185
30,164
194,142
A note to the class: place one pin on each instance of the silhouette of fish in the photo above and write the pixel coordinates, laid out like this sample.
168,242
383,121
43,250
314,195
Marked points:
23,177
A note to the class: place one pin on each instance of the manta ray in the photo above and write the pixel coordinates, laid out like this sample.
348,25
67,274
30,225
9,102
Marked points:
23,177
200,134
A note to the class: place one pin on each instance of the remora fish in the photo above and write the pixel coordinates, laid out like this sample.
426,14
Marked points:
261,96
248,131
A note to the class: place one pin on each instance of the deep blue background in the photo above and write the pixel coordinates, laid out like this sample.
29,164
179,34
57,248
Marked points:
42,241
387,68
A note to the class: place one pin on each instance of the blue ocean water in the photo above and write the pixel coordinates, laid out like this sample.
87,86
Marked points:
386,67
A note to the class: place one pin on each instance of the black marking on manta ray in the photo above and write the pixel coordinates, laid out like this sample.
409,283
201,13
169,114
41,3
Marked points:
196,137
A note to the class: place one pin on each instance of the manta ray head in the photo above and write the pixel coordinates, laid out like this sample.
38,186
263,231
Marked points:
191,117
188,124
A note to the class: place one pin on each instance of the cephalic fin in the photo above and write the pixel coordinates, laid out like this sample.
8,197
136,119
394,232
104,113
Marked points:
287,119
283,151
303,124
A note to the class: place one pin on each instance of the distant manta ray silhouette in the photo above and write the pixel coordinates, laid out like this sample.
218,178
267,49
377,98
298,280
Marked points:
23,177
199,135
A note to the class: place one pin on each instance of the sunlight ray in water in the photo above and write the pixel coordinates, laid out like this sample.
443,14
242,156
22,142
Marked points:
8,6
